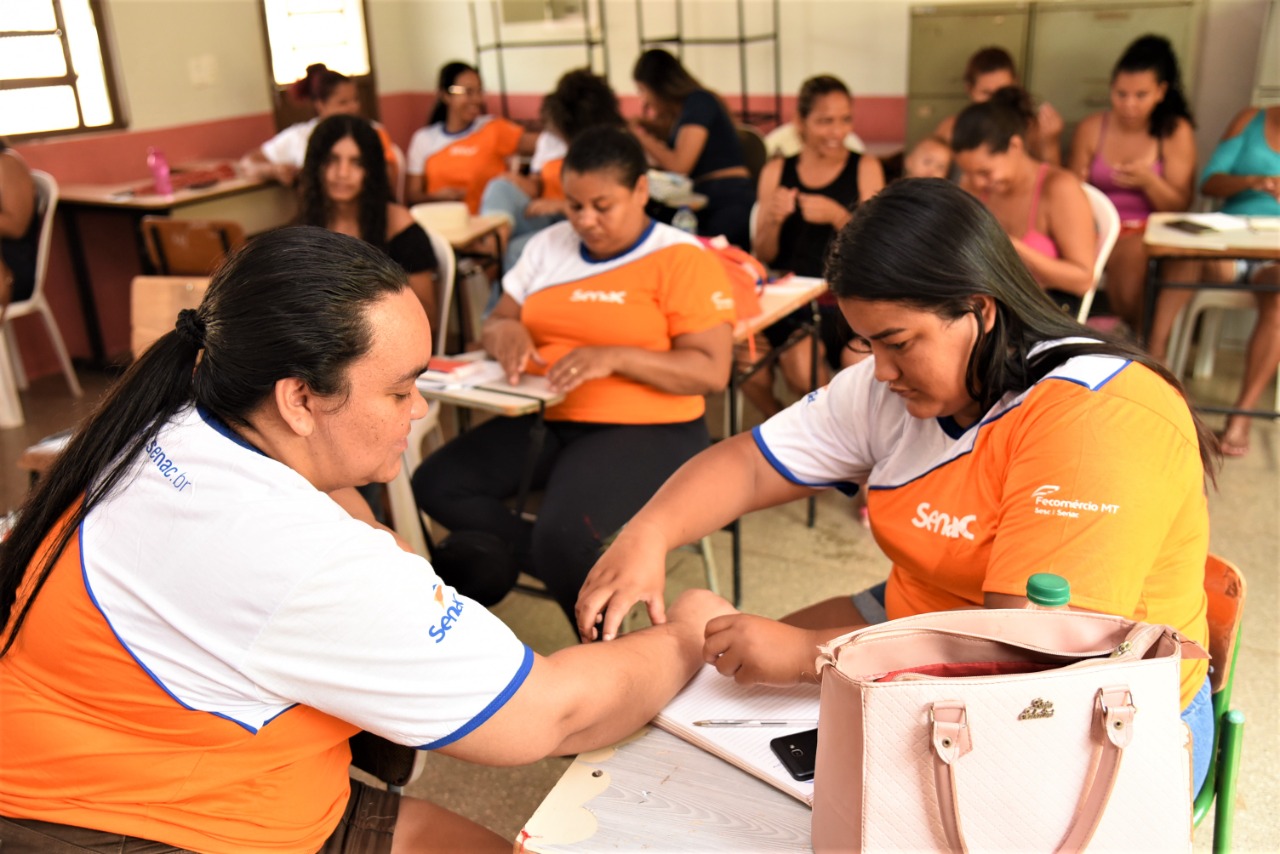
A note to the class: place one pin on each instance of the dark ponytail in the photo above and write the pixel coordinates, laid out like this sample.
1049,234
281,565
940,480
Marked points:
317,87
1155,54
291,303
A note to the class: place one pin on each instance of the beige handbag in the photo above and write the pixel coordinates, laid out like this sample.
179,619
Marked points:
1073,739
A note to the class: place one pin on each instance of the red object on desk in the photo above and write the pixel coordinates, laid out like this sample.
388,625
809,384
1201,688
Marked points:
186,179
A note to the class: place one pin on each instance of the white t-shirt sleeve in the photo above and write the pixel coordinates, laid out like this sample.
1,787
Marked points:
289,146
374,637
416,157
826,438
548,147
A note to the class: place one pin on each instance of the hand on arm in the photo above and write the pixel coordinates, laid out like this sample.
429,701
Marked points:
759,651
776,203
1172,190
823,210
717,486
589,696
690,140
697,363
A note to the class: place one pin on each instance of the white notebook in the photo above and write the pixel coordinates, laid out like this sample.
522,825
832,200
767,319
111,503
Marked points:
710,696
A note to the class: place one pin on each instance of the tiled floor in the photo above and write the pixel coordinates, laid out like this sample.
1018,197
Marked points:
839,556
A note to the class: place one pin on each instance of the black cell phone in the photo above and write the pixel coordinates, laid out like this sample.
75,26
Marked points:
797,752
1189,227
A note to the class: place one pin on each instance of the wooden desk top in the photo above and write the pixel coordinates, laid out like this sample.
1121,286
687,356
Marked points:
127,196
778,300
525,398
657,792
1252,242
476,227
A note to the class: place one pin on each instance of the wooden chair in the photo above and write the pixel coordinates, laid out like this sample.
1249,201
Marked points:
189,247
1224,585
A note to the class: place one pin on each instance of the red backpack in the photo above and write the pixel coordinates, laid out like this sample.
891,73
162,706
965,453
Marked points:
746,275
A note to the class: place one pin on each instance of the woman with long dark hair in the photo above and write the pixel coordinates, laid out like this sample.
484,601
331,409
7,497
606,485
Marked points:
687,130
194,623
1041,207
344,189
330,93
461,148
996,437
1142,154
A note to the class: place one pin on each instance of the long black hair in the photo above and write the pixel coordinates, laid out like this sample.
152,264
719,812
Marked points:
375,193
290,304
1155,54
666,77
449,75
928,244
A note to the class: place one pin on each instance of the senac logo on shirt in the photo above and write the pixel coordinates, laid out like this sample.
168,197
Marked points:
945,524
451,613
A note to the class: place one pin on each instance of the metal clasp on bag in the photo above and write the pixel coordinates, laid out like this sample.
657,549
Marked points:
949,725
1117,714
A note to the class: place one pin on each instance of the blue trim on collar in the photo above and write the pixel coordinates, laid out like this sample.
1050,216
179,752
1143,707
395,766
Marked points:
952,427
221,427
466,131
582,247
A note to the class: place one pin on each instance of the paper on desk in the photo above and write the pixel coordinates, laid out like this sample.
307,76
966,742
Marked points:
460,373
710,695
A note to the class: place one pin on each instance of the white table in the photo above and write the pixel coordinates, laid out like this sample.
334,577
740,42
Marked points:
656,792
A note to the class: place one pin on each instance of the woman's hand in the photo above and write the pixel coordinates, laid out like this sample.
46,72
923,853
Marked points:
1049,121
634,569
544,207
1137,176
579,365
781,203
822,210
509,342
759,651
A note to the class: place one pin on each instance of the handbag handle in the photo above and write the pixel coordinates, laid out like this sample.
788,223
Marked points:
951,740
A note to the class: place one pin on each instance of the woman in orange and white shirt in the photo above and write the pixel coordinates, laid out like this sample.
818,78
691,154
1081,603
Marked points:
461,149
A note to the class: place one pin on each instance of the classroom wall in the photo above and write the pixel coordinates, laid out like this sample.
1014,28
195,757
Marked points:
194,81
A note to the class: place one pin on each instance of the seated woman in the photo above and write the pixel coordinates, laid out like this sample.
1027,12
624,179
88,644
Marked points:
461,148
804,200
580,100
1042,208
1244,171
330,94
344,189
194,624
688,130
981,398
626,317
992,69
1142,154
19,229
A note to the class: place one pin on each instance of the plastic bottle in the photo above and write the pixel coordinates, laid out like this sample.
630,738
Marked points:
685,220
159,167
1047,592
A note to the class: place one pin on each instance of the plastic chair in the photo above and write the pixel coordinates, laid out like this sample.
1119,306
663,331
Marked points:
784,141
753,150
1210,302
1225,588
46,205
189,247
1106,221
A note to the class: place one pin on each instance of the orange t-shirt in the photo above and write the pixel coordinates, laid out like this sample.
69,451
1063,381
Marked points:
665,286
552,186
465,161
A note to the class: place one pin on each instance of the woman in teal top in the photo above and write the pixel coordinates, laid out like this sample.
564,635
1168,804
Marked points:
1244,171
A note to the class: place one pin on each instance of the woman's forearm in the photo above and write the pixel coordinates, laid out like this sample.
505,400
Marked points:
1224,186
676,371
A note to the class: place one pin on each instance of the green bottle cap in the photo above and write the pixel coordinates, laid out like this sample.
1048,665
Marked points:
1048,590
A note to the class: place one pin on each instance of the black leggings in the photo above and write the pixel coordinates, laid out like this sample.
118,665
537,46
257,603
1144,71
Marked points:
593,477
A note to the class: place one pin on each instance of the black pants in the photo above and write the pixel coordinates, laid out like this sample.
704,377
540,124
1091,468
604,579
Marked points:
593,477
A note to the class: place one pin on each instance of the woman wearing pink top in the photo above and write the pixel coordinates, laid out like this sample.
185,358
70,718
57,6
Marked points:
1142,154
1042,208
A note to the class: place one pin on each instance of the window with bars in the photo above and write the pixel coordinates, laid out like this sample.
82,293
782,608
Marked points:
55,71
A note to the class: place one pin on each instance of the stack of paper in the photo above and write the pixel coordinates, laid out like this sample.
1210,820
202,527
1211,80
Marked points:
767,713
460,373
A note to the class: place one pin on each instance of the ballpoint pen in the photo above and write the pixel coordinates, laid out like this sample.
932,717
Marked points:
743,722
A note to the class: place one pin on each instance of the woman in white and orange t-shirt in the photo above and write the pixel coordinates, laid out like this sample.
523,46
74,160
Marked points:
631,320
461,149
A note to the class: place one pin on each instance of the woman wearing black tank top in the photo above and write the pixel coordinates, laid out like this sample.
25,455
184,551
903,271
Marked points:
804,201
